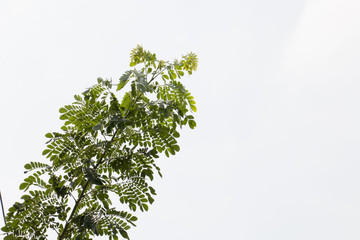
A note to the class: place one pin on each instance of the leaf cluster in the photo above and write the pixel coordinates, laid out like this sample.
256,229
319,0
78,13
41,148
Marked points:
106,151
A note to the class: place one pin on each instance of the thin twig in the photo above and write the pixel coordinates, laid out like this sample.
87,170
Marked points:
2,207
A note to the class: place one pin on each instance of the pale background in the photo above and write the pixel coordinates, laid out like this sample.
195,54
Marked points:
276,152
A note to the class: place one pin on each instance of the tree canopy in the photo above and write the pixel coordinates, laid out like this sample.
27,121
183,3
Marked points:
106,151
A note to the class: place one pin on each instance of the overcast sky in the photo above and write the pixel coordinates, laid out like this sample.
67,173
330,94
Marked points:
276,151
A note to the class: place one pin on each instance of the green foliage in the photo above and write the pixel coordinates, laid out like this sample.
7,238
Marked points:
106,150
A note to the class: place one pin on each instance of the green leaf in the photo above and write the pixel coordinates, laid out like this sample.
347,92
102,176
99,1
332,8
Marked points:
23,186
124,233
171,150
62,110
132,64
176,148
49,135
192,124
26,197
46,151
77,97
27,166
146,207
124,79
133,218
193,107
151,200
167,153
133,90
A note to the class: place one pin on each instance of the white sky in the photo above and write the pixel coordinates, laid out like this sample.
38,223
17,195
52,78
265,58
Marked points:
275,155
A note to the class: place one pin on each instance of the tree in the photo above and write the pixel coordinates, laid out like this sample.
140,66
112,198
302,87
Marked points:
106,150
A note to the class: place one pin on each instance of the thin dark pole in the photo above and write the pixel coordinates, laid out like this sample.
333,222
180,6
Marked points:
2,207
